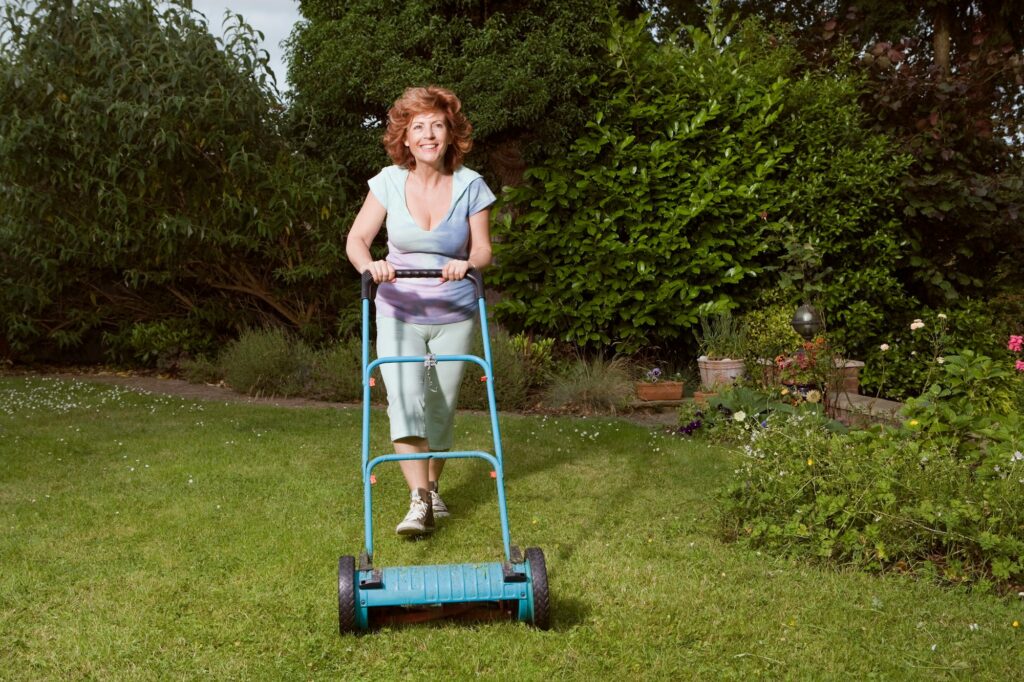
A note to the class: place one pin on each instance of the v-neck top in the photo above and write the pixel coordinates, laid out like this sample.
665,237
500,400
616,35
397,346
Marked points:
410,247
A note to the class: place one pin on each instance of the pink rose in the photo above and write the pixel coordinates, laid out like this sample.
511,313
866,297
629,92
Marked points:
1016,343
1020,365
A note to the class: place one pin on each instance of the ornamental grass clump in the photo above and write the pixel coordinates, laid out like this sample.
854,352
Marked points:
591,386
337,372
522,367
267,362
722,337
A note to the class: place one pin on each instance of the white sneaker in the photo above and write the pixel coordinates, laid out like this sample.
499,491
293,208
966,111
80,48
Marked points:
436,503
420,519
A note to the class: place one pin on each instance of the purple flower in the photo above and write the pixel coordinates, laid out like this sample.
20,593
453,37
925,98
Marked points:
690,428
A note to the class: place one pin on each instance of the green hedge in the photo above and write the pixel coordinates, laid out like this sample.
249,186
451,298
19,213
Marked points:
687,192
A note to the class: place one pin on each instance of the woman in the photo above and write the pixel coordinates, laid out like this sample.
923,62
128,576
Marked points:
437,213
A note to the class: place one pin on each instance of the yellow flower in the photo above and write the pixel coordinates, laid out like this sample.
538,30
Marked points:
913,422
785,391
1016,623
810,462
813,396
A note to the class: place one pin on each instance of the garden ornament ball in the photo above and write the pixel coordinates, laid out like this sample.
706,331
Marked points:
806,321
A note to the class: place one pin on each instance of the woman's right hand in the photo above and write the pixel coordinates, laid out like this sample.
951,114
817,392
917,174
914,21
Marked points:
381,270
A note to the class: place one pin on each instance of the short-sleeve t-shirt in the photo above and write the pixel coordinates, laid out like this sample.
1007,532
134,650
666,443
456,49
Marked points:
410,247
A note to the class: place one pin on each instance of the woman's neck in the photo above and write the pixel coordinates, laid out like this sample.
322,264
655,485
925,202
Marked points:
429,176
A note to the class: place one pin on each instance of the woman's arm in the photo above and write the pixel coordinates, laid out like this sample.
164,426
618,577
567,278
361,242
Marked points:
364,230
479,247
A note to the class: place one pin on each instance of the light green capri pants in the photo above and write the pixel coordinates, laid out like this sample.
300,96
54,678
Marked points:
421,400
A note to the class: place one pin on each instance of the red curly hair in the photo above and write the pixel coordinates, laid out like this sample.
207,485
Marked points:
415,101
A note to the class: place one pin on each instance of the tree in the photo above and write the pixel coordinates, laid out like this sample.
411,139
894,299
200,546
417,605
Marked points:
522,69
144,176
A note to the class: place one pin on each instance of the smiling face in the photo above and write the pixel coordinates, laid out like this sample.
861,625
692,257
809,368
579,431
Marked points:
427,138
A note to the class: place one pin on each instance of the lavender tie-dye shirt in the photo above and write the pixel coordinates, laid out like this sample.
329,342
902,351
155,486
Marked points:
428,300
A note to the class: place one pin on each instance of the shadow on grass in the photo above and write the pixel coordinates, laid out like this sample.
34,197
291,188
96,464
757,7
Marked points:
568,612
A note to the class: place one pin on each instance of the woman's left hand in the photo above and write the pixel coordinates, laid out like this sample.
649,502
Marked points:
454,269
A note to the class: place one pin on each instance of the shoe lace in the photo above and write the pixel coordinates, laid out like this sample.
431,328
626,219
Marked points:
417,509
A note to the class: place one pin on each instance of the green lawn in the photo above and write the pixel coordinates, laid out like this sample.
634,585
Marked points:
147,537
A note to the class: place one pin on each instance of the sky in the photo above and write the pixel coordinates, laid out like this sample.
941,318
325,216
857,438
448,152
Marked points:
275,18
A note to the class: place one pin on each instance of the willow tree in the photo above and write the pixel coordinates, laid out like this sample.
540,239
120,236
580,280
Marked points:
145,177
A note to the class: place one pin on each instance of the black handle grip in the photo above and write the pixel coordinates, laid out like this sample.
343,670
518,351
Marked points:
471,274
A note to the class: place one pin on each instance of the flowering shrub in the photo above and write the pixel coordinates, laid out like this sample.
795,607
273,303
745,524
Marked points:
807,366
942,495
1016,344
801,394
905,364
770,331
730,417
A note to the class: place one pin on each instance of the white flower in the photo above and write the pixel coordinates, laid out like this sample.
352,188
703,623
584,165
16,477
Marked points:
1017,456
941,316
916,324
884,347
740,416
940,359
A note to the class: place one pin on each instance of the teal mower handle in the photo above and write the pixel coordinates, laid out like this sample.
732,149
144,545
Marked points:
486,363
472,274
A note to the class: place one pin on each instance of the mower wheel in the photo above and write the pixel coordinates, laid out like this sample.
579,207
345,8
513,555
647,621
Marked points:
539,581
346,595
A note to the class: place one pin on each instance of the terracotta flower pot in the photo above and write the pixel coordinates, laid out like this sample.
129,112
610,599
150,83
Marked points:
720,372
702,397
662,390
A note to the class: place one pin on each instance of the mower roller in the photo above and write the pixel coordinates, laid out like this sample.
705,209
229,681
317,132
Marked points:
513,589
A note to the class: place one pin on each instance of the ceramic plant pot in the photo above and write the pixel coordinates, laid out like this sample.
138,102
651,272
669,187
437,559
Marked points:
720,372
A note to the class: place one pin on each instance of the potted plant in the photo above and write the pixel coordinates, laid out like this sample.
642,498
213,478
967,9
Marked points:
722,344
655,385
805,372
